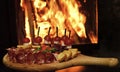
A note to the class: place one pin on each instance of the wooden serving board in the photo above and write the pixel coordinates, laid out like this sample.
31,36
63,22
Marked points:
80,60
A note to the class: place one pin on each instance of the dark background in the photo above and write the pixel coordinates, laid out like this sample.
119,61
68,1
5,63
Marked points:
109,32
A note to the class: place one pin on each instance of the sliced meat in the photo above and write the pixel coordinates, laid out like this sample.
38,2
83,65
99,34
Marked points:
49,57
39,58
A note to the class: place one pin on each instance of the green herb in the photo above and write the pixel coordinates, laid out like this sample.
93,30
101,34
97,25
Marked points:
47,50
50,50
37,49
53,50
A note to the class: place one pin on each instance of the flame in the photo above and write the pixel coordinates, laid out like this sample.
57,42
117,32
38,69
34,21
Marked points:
64,14
73,69
93,37
27,27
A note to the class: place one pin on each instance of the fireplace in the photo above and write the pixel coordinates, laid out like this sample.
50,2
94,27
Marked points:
78,17
109,42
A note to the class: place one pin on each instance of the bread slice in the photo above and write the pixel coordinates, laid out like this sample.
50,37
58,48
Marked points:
74,52
60,57
68,54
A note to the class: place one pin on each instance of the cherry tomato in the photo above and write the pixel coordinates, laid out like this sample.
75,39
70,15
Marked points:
47,38
38,39
45,47
64,38
68,42
26,40
57,38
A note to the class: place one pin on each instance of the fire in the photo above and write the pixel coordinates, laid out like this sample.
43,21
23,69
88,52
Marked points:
27,27
64,14
93,37
73,69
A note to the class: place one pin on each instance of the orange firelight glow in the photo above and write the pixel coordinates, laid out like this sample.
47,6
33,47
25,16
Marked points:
64,14
73,69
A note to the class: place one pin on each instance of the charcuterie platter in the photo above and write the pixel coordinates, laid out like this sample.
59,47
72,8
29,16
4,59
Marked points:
45,58
54,54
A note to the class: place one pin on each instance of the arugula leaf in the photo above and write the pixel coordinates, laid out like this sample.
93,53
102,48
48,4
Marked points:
37,49
53,49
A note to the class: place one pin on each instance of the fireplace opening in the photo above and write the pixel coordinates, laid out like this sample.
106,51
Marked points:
78,17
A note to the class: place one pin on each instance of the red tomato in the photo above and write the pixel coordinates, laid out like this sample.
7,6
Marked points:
64,38
38,39
45,47
26,40
68,42
57,38
47,38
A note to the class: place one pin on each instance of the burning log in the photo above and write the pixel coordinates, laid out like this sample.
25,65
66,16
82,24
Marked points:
33,12
73,33
30,18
